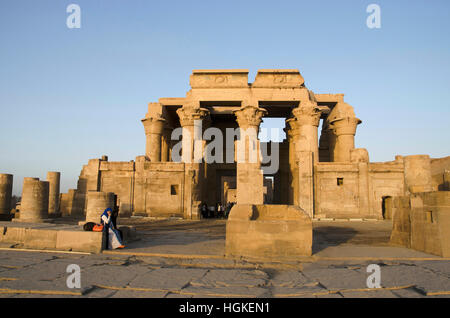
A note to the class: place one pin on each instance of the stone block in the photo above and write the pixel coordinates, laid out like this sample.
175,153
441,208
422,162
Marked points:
268,232
40,239
80,241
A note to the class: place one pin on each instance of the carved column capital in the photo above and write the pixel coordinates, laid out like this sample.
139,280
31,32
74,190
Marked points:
307,113
292,128
188,115
249,116
345,126
153,125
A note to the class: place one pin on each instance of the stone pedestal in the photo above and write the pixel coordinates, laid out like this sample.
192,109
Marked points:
97,203
6,183
53,201
268,232
34,204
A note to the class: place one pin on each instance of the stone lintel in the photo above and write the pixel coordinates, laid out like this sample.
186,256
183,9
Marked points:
219,78
278,78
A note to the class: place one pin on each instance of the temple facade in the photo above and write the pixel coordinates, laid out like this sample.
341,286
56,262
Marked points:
321,172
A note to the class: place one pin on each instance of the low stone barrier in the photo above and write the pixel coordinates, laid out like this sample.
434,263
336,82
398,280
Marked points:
60,239
268,232
64,240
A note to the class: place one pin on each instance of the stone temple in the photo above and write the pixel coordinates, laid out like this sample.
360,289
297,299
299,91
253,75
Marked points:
319,171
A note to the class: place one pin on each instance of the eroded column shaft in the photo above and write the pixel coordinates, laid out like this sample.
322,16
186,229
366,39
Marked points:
34,204
6,183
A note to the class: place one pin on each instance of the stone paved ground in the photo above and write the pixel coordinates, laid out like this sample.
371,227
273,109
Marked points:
177,258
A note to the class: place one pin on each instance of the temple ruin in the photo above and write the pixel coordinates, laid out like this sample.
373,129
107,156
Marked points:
321,172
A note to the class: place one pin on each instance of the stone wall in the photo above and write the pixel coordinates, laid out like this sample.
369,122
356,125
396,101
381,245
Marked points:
422,222
118,177
355,189
440,171
336,189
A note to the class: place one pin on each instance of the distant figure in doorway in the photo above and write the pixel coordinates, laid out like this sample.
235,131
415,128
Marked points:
204,210
113,236
220,210
211,211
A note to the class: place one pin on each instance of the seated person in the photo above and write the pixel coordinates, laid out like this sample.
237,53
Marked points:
114,240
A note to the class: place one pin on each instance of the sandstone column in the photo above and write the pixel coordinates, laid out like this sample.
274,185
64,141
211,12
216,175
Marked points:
418,174
307,116
292,134
6,182
344,130
165,144
153,131
34,204
250,188
192,119
53,201
97,202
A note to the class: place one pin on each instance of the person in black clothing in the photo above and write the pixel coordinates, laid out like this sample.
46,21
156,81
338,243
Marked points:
204,210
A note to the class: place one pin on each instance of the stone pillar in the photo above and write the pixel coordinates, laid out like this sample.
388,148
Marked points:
345,130
306,182
53,200
165,144
97,202
250,188
34,204
153,131
193,120
292,135
307,116
418,174
6,183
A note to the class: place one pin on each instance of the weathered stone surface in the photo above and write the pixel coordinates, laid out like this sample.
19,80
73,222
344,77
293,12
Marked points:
34,204
6,183
268,231
232,278
97,203
53,201
421,221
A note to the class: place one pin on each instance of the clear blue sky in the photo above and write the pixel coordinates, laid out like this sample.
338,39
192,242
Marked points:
68,95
